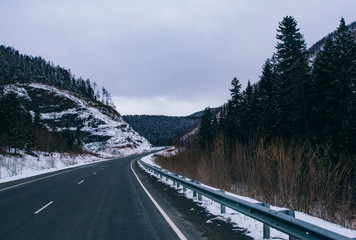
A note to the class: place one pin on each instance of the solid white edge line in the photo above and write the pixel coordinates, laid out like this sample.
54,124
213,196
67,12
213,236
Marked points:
39,210
170,222
80,182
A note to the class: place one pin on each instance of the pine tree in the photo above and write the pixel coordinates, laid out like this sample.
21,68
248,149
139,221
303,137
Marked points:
247,116
334,74
78,140
323,97
207,131
235,91
13,121
293,79
346,63
268,100
37,122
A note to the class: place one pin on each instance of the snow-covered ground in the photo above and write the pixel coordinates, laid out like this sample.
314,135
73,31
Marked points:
240,222
17,167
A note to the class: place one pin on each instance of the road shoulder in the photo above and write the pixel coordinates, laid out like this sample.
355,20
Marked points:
189,217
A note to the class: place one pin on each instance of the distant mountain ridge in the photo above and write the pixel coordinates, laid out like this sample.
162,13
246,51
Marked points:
161,130
164,130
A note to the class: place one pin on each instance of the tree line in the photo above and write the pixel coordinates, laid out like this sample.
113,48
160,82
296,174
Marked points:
295,99
19,68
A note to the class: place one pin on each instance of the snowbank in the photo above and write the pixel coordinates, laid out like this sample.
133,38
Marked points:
25,165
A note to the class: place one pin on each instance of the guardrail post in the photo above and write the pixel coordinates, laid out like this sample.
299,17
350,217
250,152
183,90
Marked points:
177,183
194,192
160,175
222,207
266,228
165,175
199,195
184,188
291,213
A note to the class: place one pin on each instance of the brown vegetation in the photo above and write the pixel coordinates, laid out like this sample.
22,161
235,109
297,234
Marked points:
291,175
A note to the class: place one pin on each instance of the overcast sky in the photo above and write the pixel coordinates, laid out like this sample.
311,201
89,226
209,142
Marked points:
170,57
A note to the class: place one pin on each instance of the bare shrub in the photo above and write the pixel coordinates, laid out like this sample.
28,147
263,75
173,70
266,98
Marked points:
294,175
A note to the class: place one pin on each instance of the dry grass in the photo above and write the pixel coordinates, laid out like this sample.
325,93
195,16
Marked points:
291,175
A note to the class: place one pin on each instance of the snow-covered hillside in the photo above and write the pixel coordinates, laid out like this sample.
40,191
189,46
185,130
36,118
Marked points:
102,128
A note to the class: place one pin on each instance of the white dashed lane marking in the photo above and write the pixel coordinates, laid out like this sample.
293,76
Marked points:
39,210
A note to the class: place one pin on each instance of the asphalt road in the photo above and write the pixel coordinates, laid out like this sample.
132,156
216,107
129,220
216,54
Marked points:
98,201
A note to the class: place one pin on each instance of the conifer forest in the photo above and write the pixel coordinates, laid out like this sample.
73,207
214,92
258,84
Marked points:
290,138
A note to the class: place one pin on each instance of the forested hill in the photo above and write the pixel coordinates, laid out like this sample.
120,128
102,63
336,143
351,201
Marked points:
161,130
19,68
44,108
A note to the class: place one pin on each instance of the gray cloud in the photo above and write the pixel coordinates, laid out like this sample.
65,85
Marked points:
181,51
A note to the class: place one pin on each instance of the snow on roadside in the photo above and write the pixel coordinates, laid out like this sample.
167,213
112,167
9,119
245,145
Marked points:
16,167
240,221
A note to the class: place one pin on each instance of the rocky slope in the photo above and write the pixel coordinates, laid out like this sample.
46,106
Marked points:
102,128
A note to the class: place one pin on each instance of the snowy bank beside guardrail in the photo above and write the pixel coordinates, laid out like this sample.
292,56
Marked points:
240,221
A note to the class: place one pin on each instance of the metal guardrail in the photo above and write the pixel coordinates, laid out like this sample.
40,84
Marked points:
283,221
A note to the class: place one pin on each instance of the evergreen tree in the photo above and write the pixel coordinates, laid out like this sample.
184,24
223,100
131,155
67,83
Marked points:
268,100
346,63
235,91
30,142
293,79
78,143
206,131
37,122
14,121
334,73
234,112
247,116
